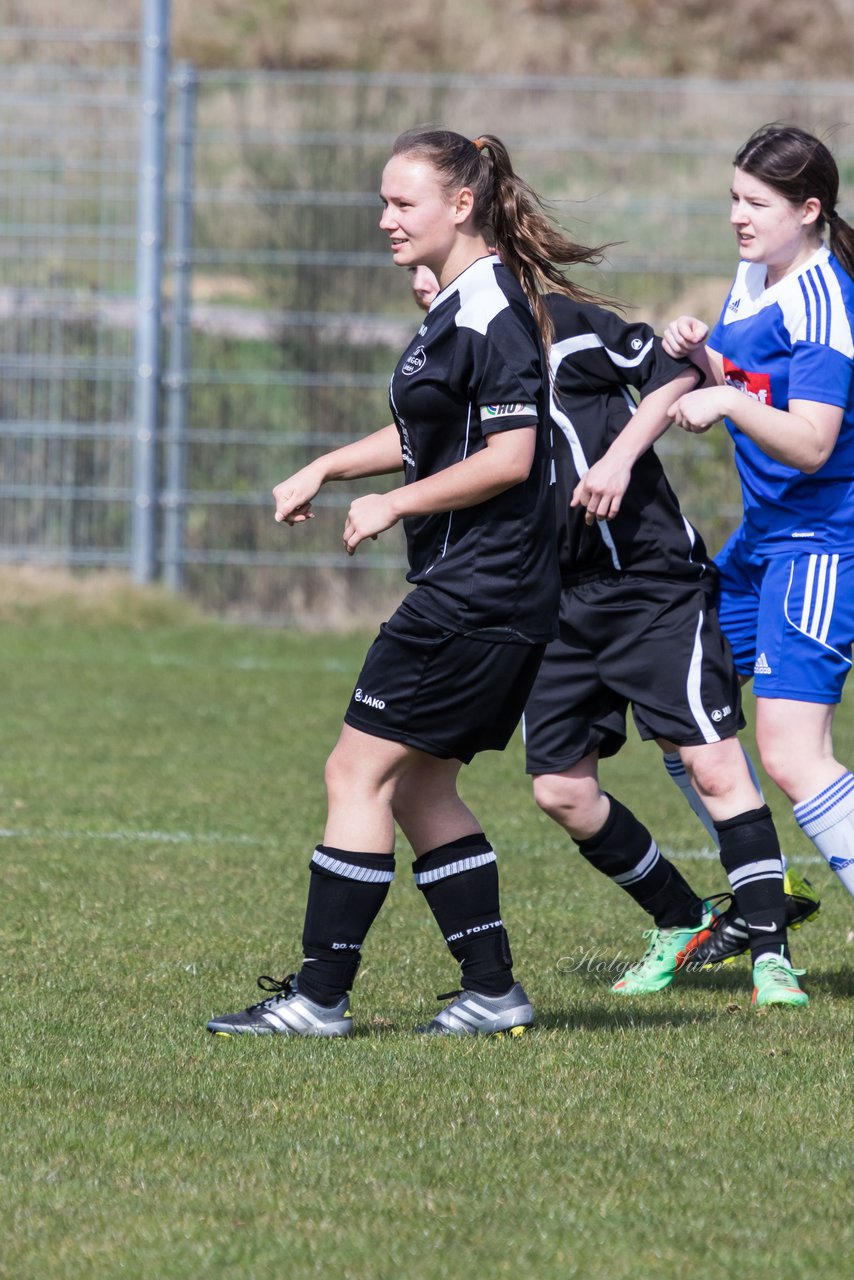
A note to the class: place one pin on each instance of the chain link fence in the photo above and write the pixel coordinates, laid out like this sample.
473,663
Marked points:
278,314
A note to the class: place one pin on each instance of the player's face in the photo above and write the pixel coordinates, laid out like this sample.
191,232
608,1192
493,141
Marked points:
424,285
418,217
768,228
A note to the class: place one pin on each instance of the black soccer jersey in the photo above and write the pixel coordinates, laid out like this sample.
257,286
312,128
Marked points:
596,356
476,366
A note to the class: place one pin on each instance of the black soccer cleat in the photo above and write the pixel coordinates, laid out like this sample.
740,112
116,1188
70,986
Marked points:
287,1012
473,1014
730,938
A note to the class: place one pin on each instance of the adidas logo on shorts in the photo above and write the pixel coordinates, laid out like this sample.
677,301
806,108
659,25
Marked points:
761,667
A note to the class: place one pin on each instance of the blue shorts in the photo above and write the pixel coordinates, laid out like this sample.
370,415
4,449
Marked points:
789,617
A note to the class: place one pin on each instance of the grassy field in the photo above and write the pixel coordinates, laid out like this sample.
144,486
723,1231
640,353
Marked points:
161,792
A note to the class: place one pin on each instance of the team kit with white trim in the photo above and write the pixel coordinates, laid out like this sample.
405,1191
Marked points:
450,671
787,574
638,621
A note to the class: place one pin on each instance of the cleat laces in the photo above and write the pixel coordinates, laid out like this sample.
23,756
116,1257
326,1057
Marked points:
280,989
779,972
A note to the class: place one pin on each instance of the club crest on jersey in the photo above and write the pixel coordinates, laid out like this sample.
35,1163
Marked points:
414,362
488,411
755,385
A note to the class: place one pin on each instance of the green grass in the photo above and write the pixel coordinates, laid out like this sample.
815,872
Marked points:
161,791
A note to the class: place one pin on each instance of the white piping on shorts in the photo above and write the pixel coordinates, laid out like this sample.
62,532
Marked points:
819,599
692,688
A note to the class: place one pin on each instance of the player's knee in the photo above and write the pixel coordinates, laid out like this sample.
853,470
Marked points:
780,763
343,773
718,770
710,779
566,802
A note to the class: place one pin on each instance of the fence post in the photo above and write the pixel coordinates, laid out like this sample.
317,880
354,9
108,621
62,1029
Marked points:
149,271
173,500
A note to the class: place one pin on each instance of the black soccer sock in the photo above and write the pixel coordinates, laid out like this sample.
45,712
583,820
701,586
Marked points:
750,854
345,893
625,851
460,882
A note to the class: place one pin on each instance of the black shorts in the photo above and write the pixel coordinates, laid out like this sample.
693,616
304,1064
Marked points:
652,644
447,694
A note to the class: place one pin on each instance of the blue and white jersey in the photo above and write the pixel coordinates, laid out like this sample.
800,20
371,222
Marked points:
792,341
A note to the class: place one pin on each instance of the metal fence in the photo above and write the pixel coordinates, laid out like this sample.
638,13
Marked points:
188,315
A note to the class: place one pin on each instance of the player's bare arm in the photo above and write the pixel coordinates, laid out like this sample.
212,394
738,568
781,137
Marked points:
376,454
602,487
686,336
802,436
505,461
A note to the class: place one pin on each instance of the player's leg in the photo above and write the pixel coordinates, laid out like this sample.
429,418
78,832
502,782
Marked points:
456,869
730,939
697,706
475,697
678,774
572,718
733,615
805,629
349,877
351,870
750,855
797,751
612,839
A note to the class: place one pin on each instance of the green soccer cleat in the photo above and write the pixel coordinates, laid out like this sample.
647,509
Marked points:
776,982
668,951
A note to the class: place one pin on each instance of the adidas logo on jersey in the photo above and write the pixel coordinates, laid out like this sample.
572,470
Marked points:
733,306
761,667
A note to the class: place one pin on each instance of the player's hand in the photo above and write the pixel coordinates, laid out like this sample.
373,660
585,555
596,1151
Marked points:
293,496
684,335
367,517
699,410
601,490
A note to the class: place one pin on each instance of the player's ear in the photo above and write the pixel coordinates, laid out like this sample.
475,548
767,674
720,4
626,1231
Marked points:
811,210
463,204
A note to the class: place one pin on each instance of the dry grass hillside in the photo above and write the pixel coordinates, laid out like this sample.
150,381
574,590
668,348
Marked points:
731,39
